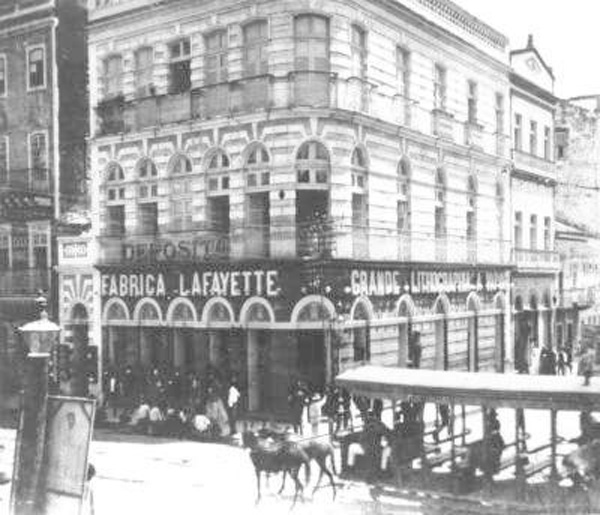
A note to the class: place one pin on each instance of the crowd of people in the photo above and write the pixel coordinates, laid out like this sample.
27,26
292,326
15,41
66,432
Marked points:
173,403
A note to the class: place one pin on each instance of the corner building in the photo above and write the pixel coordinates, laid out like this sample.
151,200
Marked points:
287,189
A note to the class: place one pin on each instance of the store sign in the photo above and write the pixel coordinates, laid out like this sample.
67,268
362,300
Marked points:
457,281
230,283
383,283
181,250
378,283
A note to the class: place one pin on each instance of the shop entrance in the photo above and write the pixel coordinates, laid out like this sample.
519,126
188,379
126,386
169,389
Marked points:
259,370
312,361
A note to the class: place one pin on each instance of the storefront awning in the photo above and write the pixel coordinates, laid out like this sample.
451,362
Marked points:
469,388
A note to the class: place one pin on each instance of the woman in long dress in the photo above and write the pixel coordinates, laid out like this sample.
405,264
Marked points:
216,412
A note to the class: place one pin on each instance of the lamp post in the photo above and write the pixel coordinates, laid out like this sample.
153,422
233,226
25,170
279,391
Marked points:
39,338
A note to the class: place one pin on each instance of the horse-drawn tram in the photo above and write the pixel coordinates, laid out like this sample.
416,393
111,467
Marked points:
488,453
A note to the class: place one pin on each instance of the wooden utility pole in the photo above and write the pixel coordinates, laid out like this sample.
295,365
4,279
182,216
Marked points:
27,493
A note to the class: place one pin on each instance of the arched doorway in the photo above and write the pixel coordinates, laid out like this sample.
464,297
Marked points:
521,336
440,311
499,327
80,338
406,353
472,334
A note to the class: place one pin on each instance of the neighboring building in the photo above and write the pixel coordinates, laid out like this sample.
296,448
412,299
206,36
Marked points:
579,284
533,185
578,205
43,118
283,190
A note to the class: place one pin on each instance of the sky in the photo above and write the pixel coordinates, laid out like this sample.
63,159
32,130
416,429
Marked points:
566,33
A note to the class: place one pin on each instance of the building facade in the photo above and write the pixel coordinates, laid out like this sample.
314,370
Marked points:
533,186
43,116
577,205
286,189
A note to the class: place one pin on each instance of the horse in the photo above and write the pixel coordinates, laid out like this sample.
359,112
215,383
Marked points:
275,456
583,464
316,450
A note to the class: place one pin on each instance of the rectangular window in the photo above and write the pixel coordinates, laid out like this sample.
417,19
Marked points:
4,248
182,213
4,178
113,76
403,71
36,67
518,132
40,248
561,136
533,138
518,230
471,225
215,61
311,60
38,161
2,75
533,232
439,87
256,57
180,75
440,222
547,233
144,61
403,222
499,114
148,218
20,247
115,223
358,52
472,102
547,144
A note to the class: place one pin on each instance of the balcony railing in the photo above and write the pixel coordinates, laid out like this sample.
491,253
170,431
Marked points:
325,240
536,259
35,180
534,165
296,90
24,282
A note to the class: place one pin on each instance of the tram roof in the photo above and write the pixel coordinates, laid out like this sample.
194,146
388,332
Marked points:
565,393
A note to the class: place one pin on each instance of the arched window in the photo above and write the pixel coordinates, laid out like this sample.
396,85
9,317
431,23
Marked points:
257,163
219,160
179,165
360,217
179,168
312,163
471,208
146,168
218,168
440,203
114,172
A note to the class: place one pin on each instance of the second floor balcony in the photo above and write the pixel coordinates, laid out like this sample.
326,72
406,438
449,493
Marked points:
540,260
309,241
28,281
533,165
31,180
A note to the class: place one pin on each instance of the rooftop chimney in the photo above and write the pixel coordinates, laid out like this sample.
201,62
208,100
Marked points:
530,41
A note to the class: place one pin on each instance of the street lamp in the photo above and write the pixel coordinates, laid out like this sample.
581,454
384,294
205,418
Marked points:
39,337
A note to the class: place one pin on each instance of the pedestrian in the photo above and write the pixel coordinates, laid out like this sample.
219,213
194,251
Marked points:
561,363
233,404
156,421
215,411
586,366
314,403
297,397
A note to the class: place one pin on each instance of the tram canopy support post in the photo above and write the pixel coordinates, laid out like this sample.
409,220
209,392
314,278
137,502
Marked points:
487,473
554,477
519,472
424,462
464,425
